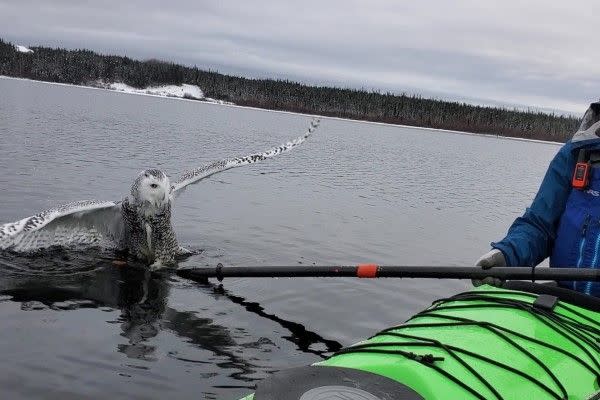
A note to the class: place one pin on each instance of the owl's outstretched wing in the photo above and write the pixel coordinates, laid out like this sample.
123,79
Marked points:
78,223
205,171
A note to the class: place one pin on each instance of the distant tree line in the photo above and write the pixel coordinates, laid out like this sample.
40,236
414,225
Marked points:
85,67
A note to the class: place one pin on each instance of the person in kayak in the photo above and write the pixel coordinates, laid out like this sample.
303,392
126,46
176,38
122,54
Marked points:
563,221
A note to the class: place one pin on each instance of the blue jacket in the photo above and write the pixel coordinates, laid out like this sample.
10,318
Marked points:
531,237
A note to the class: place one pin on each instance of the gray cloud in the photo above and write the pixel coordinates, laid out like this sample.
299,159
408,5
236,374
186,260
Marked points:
539,53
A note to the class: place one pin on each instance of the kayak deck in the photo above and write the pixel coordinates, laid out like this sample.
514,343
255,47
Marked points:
488,343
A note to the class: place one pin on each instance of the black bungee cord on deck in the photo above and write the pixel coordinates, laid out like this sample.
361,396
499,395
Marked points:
564,325
572,334
427,360
459,321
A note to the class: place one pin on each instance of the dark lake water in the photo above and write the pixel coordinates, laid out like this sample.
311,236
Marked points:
76,326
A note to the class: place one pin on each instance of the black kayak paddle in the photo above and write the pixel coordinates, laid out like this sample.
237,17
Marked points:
385,271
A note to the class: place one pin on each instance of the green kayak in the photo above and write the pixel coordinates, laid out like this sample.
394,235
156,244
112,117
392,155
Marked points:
522,341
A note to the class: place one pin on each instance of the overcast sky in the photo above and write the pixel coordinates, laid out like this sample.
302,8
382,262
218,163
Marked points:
535,53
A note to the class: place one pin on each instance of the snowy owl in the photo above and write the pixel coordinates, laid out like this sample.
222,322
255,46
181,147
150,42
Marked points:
140,223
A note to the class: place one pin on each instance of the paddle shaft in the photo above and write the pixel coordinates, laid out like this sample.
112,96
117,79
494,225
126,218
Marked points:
375,271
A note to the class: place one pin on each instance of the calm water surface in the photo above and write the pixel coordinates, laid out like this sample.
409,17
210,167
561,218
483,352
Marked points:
75,326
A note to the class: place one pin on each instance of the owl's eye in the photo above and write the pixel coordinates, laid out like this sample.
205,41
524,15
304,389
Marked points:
153,185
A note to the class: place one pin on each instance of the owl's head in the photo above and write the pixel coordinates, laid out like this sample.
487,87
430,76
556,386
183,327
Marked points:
151,188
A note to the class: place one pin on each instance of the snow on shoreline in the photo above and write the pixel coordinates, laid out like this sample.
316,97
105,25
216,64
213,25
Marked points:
23,49
208,100
189,91
184,91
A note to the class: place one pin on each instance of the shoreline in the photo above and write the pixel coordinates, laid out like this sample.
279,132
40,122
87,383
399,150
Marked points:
218,103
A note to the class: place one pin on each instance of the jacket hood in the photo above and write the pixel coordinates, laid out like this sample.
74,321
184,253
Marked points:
590,125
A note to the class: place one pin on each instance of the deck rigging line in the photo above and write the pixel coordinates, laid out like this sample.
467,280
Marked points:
585,337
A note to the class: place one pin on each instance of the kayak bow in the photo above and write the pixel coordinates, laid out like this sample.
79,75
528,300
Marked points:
521,341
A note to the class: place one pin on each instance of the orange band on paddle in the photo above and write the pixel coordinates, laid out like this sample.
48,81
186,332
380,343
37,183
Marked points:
366,270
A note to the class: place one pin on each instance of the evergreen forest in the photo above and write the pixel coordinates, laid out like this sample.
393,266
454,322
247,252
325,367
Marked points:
85,67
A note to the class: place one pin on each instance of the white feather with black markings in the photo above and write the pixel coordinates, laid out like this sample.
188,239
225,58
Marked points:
78,223
198,174
141,223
